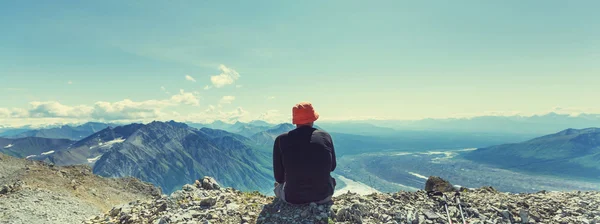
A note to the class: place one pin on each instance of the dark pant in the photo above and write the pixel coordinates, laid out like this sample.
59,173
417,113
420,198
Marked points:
280,192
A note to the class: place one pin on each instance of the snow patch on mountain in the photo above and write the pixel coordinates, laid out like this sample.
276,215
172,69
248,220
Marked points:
418,175
108,144
48,152
91,160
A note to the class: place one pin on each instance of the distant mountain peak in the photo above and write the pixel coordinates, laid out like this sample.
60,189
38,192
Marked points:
573,152
218,122
283,125
171,123
573,131
260,123
64,131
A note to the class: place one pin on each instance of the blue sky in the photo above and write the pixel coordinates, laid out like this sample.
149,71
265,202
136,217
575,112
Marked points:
65,61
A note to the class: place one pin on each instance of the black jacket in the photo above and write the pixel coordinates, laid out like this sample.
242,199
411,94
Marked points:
303,158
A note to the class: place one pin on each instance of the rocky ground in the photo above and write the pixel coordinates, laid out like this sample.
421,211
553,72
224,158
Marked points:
206,202
35,192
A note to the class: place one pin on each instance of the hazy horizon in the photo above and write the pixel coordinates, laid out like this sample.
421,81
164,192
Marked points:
372,121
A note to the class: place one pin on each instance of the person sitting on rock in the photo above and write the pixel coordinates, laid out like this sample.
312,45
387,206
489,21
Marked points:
303,160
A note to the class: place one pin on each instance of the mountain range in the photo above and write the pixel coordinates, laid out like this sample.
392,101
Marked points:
91,148
528,125
65,131
31,147
267,137
244,129
568,153
169,154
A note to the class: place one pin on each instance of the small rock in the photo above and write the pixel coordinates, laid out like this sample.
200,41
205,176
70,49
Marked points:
208,201
162,207
488,189
212,216
210,183
194,214
188,187
114,212
232,206
305,213
324,215
507,215
4,190
385,218
524,214
430,214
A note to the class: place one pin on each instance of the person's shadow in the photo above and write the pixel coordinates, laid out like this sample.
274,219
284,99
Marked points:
281,212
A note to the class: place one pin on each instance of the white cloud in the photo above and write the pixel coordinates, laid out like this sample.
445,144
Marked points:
190,78
211,108
70,82
270,98
207,87
227,99
128,109
124,110
13,113
271,116
56,109
5,112
228,76
186,98
212,114
235,115
238,86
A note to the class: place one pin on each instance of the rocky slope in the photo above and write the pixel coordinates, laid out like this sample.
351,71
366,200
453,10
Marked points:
35,192
91,148
205,202
32,147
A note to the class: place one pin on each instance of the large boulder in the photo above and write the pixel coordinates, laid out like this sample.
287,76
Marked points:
208,183
438,184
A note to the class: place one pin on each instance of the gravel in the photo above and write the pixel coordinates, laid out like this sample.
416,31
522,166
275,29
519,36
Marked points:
484,205
38,206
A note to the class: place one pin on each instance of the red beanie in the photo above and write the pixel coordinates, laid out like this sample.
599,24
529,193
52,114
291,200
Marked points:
304,113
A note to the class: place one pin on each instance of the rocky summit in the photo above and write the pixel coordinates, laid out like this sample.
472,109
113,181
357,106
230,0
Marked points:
206,202
34,192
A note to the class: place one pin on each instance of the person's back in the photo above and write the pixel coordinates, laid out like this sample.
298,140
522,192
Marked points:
302,162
